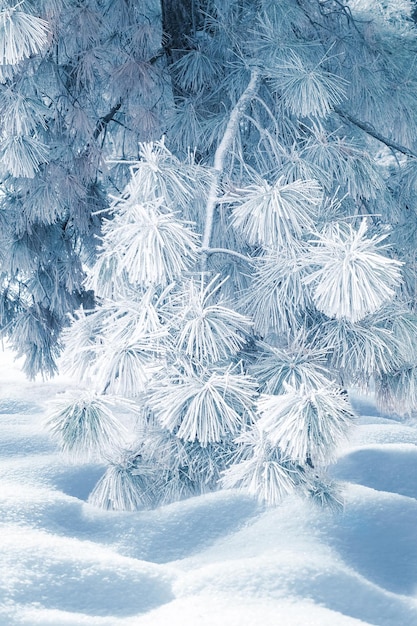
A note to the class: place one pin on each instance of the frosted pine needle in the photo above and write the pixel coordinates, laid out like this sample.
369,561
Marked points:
359,350
152,246
298,365
195,71
396,391
267,474
84,425
307,91
209,330
21,35
125,486
306,424
326,494
272,214
277,297
23,155
353,278
160,174
204,408
125,369
107,278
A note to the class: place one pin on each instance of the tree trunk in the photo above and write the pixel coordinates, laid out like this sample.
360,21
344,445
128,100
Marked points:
178,24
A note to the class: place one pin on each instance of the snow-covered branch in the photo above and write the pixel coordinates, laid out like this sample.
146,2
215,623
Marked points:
222,150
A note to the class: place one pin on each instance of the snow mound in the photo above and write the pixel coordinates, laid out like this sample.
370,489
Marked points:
72,575
214,560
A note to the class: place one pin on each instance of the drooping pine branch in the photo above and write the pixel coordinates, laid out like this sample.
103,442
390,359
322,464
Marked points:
370,130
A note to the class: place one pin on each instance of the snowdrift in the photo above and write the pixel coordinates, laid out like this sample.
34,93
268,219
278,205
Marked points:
215,560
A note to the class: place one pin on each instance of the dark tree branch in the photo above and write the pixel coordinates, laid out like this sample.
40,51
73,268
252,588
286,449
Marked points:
103,121
158,54
370,130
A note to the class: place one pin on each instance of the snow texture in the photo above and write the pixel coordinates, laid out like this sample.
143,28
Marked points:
212,560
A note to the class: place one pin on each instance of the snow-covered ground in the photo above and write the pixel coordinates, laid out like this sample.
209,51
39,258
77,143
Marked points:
215,560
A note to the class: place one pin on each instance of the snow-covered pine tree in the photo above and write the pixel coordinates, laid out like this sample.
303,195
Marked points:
68,72
255,262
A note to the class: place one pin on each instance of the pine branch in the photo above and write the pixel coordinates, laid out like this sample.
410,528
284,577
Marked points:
220,155
238,255
370,130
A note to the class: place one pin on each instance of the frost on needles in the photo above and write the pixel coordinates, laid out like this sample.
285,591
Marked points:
217,222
